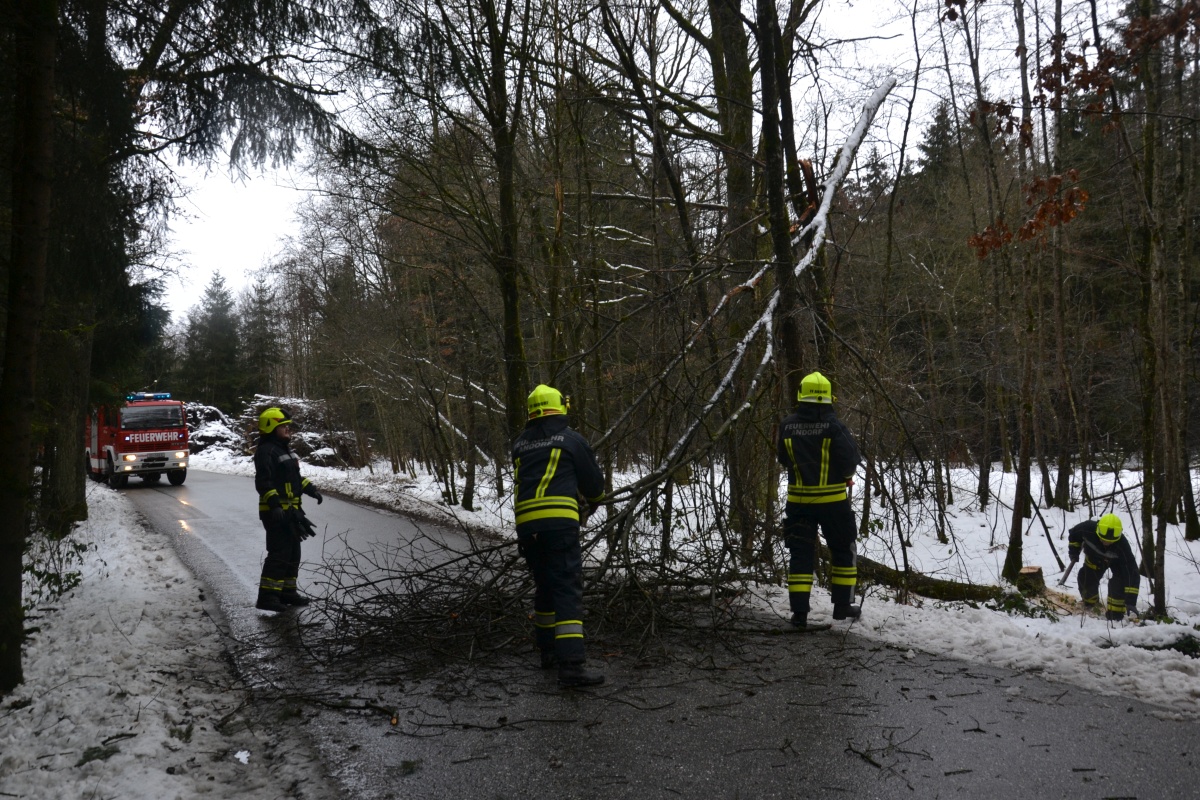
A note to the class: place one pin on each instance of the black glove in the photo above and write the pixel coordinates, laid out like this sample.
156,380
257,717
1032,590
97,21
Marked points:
1114,616
302,527
317,495
277,516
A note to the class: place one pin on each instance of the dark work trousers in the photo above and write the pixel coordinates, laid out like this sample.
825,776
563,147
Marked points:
836,523
1089,586
556,562
283,559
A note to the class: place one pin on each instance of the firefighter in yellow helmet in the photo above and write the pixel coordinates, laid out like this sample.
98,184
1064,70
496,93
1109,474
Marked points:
1104,548
279,485
820,456
553,468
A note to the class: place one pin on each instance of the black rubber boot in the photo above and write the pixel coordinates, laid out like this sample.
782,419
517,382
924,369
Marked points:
572,675
549,660
294,599
846,612
270,601
800,620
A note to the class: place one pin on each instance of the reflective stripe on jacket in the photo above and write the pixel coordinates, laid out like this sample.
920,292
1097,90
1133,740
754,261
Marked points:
1118,557
819,454
554,465
277,475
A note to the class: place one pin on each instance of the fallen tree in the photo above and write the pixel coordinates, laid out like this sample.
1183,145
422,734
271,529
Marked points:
917,583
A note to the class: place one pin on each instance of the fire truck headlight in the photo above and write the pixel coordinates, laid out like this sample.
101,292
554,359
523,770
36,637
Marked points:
129,458
181,455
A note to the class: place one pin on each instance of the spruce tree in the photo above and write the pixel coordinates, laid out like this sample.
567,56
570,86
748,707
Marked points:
211,372
259,338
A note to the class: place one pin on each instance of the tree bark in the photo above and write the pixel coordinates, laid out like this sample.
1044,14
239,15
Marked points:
33,164
790,357
63,386
502,119
748,454
870,571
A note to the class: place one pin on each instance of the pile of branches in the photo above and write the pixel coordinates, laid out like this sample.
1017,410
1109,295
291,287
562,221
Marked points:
445,598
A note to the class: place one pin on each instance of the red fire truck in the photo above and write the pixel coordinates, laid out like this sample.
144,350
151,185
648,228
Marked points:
146,437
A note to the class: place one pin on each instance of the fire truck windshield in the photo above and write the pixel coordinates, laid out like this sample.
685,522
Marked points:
140,418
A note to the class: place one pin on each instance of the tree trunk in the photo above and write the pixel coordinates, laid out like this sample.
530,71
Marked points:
748,456
468,492
1158,418
63,385
870,571
790,358
33,164
501,117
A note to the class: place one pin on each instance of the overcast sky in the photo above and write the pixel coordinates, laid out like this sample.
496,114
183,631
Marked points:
232,227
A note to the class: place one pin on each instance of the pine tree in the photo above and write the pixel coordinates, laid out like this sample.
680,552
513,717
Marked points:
938,151
125,82
211,372
259,339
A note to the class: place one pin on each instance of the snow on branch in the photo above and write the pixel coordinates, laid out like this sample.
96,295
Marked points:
817,228
841,167
415,396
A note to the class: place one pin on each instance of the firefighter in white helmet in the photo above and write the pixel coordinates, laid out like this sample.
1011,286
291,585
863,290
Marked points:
820,456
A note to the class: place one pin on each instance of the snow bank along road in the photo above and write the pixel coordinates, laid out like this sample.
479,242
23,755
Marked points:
129,694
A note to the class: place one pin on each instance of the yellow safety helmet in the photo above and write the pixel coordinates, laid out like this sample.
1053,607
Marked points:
545,400
271,419
1109,529
815,388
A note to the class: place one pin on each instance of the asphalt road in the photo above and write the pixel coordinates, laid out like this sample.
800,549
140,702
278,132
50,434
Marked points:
762,715
212,520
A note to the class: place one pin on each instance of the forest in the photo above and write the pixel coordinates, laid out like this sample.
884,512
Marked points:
669,210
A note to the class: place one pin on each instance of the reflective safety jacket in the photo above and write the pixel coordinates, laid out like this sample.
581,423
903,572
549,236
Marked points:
554,466
1118,557
819,454
277,476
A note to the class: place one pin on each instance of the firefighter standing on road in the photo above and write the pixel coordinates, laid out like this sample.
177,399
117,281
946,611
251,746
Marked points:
1104,548
553,468
820,456
279,485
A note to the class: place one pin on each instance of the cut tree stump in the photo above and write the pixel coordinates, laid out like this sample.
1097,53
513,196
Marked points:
1031,581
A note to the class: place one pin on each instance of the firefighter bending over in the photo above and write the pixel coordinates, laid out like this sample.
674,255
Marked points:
820,456
554,467
279,485
1104,548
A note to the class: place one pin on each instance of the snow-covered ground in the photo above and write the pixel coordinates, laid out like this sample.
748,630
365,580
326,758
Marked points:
127,693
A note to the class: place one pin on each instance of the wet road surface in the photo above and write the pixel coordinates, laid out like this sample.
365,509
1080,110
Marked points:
794,715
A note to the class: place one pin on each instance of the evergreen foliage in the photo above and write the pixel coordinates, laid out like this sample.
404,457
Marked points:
101,91
211,361
258,338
